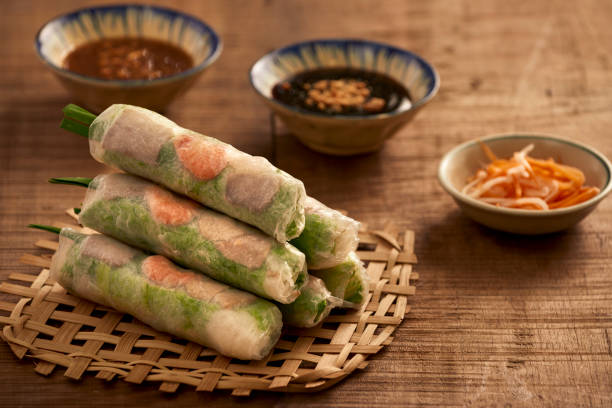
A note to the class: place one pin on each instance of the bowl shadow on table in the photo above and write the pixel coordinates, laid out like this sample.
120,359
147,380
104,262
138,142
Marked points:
457,245
343,176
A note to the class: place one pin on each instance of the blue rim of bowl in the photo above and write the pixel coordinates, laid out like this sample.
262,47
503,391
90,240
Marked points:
216,45
343,42
605,190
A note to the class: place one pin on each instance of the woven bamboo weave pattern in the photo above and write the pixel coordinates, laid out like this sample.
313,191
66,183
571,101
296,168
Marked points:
58,330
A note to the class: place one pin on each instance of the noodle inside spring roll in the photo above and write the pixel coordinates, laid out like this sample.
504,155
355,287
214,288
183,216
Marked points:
328,236
248,188
145,215
159,293
312,306
348,280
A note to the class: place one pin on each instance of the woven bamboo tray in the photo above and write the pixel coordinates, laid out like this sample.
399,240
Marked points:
56,329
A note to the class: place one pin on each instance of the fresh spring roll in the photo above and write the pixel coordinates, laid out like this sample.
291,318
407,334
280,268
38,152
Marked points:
328,236
248,188
168,298
348,280
312,306
142,214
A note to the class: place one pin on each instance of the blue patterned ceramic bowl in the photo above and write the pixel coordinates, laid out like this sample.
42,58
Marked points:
62,34
344,135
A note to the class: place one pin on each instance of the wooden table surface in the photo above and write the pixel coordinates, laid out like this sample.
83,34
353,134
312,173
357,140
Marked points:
497,320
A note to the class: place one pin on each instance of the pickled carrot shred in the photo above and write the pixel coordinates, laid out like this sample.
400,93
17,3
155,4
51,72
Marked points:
528,183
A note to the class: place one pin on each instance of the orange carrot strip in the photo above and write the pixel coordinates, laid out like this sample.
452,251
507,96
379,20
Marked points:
487,150
577,198
503,183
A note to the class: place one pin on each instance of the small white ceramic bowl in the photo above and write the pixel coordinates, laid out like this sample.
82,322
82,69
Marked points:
464,160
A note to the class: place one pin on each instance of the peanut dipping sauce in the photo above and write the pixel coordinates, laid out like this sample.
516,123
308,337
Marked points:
127,58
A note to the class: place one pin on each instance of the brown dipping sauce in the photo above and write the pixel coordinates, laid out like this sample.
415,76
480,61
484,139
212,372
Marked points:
127,58
342,91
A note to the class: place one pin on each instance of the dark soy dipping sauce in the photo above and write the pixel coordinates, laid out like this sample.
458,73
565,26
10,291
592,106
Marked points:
342,91
127,58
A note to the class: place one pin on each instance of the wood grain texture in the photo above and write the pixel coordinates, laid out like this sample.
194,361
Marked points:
498,320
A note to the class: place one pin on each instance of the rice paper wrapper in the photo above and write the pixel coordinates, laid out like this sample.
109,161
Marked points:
143,214
216,174
169,298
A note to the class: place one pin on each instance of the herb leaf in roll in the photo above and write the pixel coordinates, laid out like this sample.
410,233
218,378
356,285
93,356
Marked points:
169,298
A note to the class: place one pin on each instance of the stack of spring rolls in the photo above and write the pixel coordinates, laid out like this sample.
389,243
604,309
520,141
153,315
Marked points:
254,251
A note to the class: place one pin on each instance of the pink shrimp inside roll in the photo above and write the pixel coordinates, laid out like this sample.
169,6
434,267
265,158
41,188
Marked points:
168,209
163,272
205,160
